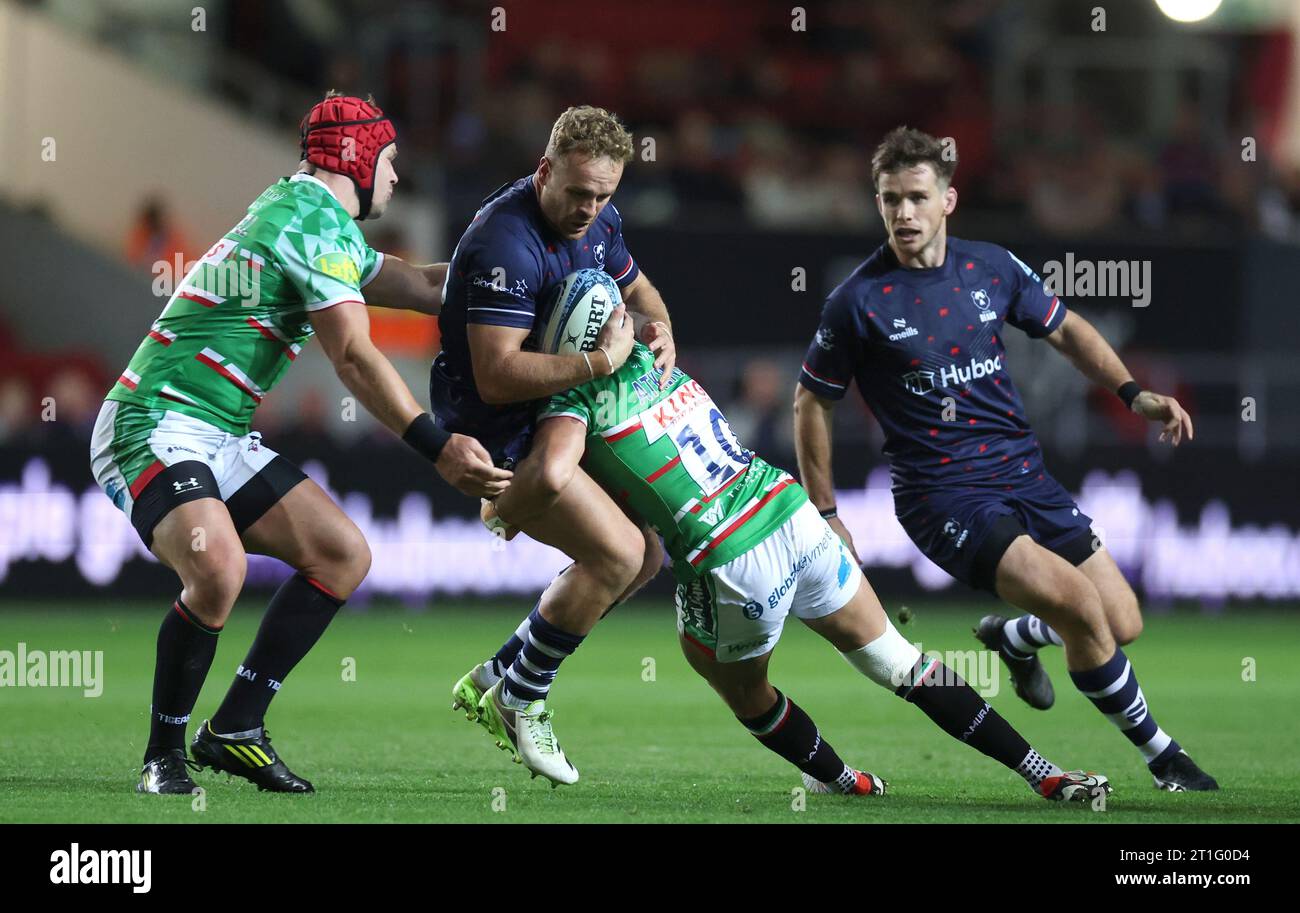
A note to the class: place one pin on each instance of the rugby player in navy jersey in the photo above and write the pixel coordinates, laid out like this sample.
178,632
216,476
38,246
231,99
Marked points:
524,240
918,326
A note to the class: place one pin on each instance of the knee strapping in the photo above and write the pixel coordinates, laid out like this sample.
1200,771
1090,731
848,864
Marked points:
886,660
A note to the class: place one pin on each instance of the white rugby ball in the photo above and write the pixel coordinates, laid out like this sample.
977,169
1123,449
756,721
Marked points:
578,309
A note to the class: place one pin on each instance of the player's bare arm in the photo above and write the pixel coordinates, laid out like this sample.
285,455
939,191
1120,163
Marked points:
344,333
404,286
1079,341
812,442
558,445
506,374
644,300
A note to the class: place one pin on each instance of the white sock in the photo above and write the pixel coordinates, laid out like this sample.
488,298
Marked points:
846,780
487,676
1035,769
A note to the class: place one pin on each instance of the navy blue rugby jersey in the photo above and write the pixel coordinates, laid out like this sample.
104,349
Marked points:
912,338
506,263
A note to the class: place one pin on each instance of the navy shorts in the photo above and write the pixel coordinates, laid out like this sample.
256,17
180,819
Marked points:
506,432
966,530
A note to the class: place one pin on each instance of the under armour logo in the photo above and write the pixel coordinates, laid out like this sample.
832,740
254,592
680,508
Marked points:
193,483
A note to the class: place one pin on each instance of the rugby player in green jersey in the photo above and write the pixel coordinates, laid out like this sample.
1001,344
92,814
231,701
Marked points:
748,549
173,448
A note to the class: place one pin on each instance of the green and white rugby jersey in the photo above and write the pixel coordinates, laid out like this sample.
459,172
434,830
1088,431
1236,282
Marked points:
671,456
239,317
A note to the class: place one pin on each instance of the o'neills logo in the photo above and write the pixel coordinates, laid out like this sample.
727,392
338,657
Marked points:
954,375
900,324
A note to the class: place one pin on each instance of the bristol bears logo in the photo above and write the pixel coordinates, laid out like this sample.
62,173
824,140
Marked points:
919,382
983,302
952,529
599,253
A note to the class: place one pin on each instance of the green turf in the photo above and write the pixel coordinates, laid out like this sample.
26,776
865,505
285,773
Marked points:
386,747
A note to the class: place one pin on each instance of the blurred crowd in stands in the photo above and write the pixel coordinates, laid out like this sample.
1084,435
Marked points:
755,122
741,120
764,113
48,400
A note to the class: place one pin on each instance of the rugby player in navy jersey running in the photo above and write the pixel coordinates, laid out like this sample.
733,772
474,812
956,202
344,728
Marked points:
524,240
918,326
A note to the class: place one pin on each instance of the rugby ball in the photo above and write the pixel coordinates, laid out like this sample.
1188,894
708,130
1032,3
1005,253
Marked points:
577,310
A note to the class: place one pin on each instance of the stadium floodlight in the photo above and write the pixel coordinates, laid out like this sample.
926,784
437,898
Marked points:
1188,10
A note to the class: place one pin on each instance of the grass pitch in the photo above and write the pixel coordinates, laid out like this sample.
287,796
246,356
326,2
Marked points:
652,741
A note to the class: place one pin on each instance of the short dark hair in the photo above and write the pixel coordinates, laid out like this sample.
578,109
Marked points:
907,147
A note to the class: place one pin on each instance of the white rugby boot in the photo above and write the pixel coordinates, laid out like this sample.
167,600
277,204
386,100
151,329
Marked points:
528,735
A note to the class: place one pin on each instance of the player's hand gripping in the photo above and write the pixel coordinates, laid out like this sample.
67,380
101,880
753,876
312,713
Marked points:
616,338
468,468
1160,408
660,341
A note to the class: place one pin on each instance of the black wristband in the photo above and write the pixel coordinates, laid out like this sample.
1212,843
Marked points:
829,513
426,437
1128,391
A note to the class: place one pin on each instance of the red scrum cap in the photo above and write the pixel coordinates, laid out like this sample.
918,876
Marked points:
346,135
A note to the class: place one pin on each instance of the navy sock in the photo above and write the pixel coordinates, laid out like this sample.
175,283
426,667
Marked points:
298,615
1113,688
505,657
185,650
545,646
790,732
1024,636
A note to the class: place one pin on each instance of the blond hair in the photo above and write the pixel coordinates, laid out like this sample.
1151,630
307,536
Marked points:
591,131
